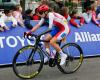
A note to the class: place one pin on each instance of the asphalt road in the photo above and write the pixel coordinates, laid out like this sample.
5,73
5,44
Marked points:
90,70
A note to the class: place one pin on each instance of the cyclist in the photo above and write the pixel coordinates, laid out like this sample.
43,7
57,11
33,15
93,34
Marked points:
59,31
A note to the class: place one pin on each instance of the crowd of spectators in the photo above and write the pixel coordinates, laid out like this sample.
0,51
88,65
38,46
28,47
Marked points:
91,13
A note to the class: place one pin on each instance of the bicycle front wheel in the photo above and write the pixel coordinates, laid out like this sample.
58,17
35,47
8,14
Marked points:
25,68
74,60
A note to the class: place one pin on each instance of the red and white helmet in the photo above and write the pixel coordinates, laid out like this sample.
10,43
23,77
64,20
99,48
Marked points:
43,8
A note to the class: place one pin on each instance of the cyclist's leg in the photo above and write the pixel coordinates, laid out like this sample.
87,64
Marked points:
53,41
47,46
48,38
54,44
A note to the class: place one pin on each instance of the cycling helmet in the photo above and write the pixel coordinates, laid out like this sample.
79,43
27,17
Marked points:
43,8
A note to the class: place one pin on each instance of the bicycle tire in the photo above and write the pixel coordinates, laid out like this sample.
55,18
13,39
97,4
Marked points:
20,61
66,68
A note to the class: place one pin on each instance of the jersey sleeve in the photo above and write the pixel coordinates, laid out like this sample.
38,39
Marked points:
2,23
41,21
51,18
13,20
72,21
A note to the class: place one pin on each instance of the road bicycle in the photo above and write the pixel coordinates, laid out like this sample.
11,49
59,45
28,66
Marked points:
29,60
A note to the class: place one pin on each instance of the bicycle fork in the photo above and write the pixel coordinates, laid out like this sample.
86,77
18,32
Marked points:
30,58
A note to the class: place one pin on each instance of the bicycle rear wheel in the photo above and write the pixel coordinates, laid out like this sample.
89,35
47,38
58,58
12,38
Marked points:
74,60
25,68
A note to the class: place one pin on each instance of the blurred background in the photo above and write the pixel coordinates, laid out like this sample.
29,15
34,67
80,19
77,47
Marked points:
32,4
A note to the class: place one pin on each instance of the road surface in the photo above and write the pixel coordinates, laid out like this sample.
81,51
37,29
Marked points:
90,70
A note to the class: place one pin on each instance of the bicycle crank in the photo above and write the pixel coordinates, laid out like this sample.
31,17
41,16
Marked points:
52,62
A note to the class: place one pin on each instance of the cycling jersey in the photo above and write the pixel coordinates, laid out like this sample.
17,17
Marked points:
60,22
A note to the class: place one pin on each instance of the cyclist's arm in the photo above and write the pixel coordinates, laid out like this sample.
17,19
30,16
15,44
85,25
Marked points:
38,25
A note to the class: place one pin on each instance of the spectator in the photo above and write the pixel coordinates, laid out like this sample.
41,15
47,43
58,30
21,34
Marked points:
27,17
17,13
64,12
87,15
98,10
35,15
94,19
96,3
60,3
44,2
87,3
8,17
2,23
75,16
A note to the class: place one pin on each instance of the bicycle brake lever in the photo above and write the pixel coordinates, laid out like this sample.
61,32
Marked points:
27,35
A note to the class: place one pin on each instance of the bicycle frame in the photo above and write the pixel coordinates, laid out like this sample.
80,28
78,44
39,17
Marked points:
38,44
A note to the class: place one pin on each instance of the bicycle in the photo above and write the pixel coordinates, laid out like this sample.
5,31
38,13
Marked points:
29,60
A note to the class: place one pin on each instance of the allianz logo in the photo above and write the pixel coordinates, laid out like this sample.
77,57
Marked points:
14,41
86,37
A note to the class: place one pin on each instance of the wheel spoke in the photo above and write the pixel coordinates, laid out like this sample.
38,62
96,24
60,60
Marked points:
27,68
74,60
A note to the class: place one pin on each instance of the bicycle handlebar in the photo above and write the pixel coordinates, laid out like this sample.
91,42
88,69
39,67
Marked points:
30,36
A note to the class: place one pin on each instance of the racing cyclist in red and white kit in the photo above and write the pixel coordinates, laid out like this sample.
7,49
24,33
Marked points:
60,31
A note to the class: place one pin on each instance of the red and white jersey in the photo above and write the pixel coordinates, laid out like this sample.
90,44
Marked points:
59,21
55,19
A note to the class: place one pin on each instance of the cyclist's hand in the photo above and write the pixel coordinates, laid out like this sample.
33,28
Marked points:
14,25
81,24
26,34
78,26
98,25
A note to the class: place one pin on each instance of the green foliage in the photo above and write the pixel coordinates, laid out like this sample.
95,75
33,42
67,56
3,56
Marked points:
71,6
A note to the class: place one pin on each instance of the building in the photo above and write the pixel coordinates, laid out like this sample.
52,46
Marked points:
6,4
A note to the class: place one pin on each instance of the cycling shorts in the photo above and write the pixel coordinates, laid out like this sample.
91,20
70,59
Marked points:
54,31
58,33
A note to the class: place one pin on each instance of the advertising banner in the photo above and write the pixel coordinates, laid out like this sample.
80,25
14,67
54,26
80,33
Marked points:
87,36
